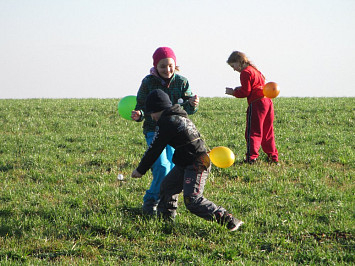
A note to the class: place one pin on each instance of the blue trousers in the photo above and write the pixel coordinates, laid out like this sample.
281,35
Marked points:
160,169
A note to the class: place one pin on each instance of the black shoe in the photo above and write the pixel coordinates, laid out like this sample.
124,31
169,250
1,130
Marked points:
231,223
250,161
150,207
273,162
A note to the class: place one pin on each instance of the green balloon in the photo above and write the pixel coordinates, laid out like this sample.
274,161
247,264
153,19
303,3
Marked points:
126,105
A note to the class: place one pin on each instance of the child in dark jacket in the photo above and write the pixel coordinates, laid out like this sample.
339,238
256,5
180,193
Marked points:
192,163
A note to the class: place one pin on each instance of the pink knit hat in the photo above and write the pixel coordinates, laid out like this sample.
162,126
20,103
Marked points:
162,53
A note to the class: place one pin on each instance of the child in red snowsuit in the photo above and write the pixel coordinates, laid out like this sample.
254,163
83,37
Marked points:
260,113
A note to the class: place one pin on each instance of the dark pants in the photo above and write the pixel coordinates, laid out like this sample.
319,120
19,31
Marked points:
190,179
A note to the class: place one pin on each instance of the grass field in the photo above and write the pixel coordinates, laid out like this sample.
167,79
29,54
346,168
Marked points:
61,202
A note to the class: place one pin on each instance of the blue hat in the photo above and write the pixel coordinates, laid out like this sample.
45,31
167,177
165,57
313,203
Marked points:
156,101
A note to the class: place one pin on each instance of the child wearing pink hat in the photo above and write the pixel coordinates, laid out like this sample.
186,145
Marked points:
162,76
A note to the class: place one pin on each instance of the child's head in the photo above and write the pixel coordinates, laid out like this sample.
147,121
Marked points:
157,101
238,61
164,61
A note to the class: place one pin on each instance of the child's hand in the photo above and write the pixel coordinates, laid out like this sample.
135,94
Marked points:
194,101
229,91
136,115
136,174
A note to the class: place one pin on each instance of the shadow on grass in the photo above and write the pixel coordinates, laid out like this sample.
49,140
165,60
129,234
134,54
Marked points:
9,231
133,213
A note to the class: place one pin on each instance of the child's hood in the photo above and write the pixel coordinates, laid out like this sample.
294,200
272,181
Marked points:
176,109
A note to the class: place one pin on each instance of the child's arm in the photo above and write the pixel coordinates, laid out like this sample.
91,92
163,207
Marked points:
230,91
138,112
190,99
194,100
244,90
136,115
165,132
136,174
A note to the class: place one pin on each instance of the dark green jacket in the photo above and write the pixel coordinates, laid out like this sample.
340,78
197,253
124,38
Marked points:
178,88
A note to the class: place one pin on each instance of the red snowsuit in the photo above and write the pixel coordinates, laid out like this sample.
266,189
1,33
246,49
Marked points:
260,115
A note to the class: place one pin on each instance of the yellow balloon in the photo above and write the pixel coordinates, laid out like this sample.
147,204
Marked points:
222,157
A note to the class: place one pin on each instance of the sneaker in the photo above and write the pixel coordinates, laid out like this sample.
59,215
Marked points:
167,217
234,224
273,162
150,207
231,223
250,161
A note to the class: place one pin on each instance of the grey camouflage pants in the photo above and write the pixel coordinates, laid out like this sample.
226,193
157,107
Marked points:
191,180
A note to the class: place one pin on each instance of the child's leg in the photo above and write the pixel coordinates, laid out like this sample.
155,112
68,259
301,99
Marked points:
170,189
160,169
169,154
192,180
195,177
268,143
254,129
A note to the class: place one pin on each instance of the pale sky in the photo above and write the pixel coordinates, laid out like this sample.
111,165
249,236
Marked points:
103,48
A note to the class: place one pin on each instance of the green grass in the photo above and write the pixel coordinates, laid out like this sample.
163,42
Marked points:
60,200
